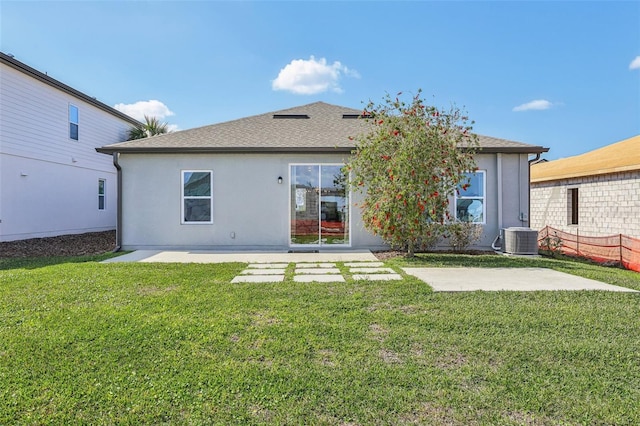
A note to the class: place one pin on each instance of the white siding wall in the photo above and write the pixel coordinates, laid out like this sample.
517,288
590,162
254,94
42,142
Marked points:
607,204
248,201
59,194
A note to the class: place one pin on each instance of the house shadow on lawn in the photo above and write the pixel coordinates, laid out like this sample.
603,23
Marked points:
41,262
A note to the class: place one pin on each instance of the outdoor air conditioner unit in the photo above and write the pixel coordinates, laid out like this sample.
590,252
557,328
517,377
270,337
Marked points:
519,240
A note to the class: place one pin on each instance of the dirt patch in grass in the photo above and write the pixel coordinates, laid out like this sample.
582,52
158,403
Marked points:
262,319
392,254
389,357
528,419
452,360
378,332
64,245
430,413
327,357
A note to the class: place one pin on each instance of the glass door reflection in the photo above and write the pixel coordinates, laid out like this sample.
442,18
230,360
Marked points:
319,205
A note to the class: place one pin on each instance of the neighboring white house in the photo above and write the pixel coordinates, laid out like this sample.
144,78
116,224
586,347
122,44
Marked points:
52,181
593,194
272,182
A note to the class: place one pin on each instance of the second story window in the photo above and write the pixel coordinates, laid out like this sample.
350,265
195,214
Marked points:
73,122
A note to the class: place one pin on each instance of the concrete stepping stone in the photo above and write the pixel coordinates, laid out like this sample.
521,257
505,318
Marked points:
315,265
377,277
268,265
363,264
372,271
262,272
317,271
329,278
258,279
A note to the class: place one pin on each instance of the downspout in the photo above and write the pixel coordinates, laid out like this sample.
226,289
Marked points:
116,155
499,173
532,161
499,195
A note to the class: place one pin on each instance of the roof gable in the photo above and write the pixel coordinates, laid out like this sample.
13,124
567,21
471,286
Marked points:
315,127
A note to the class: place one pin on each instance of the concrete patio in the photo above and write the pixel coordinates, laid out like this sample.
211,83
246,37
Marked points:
440,279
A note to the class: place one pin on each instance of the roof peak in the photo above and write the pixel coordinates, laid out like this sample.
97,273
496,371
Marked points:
312,127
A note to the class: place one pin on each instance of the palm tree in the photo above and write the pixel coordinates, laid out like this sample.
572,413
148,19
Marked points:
151,127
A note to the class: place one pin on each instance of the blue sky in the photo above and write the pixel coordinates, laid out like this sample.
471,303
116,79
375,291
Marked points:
565,75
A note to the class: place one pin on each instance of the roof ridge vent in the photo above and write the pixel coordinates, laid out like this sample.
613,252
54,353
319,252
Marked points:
294,116
356,116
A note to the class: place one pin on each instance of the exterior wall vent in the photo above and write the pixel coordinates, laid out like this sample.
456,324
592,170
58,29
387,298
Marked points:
519,240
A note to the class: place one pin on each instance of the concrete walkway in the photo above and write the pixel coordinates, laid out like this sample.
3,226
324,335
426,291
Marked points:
500,279
241,256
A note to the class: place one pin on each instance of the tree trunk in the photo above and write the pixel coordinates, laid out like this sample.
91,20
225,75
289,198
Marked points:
411,250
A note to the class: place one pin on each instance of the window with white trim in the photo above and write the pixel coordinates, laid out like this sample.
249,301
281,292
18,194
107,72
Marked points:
73,122
102,186
470,198
197,202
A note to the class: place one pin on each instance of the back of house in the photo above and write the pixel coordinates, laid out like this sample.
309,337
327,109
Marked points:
274,182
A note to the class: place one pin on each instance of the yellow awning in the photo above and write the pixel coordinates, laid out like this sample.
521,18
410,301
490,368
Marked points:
622,156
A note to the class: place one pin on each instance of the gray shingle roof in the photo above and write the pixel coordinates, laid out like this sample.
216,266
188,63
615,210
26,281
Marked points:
316,127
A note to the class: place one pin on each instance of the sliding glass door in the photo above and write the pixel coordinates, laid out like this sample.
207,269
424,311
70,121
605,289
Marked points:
319,205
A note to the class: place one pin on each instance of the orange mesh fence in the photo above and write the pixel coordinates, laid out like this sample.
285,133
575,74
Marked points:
620,249
630,249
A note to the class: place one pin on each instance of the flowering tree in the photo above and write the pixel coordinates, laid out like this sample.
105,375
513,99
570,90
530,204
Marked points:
407,166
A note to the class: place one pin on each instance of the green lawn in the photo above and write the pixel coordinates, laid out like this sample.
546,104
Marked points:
89,343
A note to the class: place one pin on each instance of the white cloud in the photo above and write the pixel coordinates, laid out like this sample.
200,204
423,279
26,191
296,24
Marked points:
138,110
635,64
538,104
308,77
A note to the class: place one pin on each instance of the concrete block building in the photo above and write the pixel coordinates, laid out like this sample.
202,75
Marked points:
595,194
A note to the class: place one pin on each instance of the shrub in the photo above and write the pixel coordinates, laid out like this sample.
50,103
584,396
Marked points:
463,234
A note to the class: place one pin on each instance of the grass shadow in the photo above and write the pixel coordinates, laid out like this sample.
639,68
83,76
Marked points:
41,262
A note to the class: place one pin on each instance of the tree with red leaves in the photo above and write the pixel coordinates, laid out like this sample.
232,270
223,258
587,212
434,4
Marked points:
408,166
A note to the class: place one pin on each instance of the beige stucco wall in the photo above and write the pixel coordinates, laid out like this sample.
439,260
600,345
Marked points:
607,204
250,208
249,204
507,180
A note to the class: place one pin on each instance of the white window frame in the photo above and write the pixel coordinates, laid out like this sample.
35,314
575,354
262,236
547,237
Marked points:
74,123
102,195
482,198
192,197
